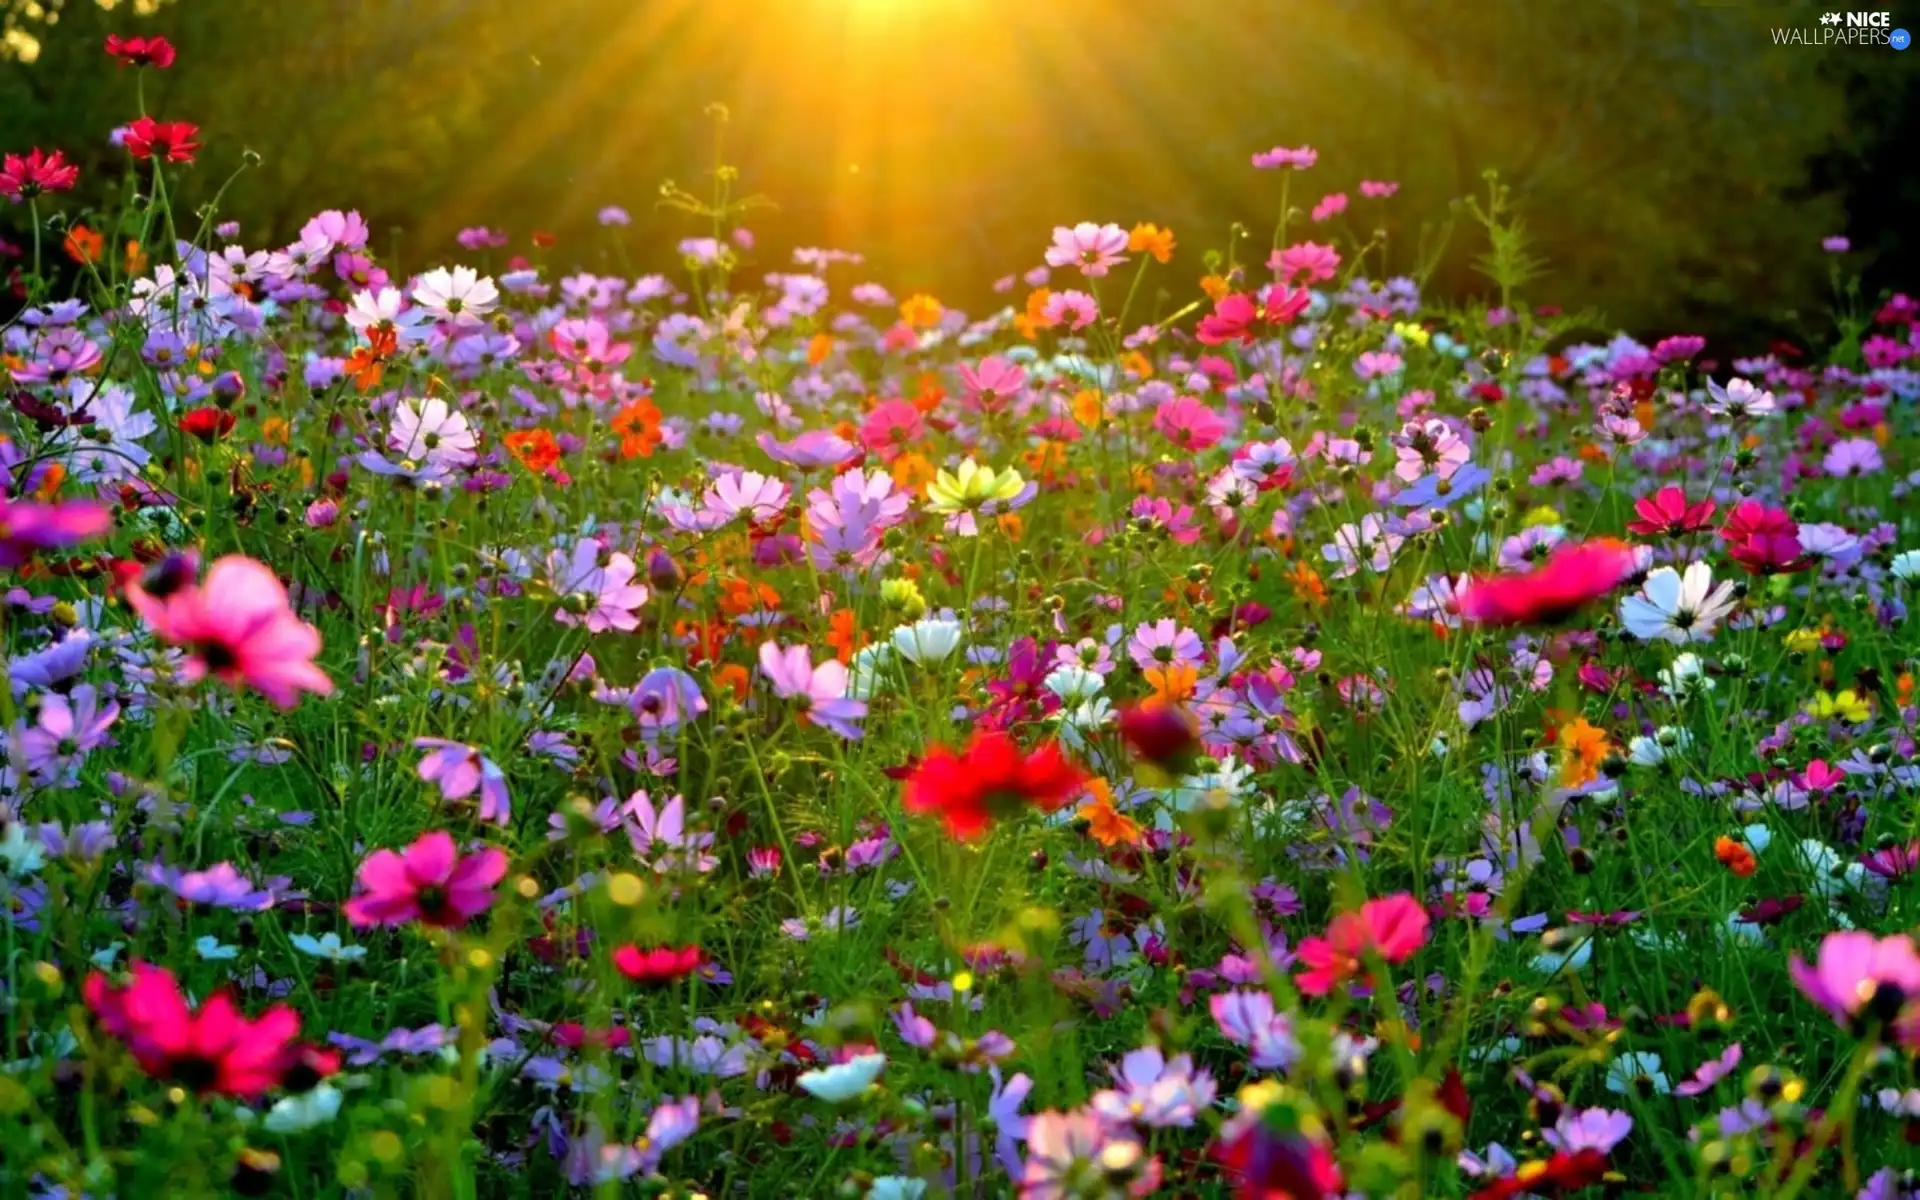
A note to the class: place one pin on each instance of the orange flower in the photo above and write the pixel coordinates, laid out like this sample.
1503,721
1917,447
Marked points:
366,368
911,472
1644,413
818,347
542,239
1037,308
843,635
84,245
1216,287
1011,526
1105,823
931,393
1306,584
1088,408
50,482
638,425
1137,364
1594,453
1735,856
734,676
1582,749
921,311
1151,239
1045,460
136,259
1903,689
1172,684
535,449
743,596
708,638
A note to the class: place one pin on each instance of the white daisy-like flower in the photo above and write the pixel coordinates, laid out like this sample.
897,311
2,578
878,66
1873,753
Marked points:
1637,1071
843,1081
1677,608
928,641
462,296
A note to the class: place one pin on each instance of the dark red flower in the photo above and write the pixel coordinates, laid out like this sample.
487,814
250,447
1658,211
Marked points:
990,778
1164,735
170,140
24,176
1573,575
156,52
1666,513
1563,1172
657,966
207,423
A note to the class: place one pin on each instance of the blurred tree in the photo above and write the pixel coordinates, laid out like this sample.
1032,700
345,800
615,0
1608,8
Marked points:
1677,168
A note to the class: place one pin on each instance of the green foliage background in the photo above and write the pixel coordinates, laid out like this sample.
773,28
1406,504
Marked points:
1677,168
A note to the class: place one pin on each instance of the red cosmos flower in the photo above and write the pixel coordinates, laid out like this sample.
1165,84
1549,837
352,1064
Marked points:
1269,1163
1234,315
156,52
172,140
207,423
1574,574
212,1051
658,965
1564,1172
1666,513
1392,927
990,778
1762,539
24,176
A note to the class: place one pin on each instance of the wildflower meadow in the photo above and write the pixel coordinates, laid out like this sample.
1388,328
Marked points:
1226,723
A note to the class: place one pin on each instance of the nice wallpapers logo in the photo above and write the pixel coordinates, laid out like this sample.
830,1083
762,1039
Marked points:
1846,29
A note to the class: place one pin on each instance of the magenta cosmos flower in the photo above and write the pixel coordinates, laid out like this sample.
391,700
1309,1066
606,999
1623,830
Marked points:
1299,159
430,882
26,527
1095,249
1858,976
460,771
237,626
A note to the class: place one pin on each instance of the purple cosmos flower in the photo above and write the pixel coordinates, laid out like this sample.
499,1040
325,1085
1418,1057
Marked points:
1589,1129
67,728
460,770
219,886
27,527
794,676
665,698
660,838
1155,1091
1247,1018
1854,456
611,594
811,451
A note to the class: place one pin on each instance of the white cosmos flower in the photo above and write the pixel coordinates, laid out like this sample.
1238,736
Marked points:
1637,1070
462,295
1669,742
295,1114
928,641
1671,607
843,1081
1906,565
1686,677
1074,684
868,672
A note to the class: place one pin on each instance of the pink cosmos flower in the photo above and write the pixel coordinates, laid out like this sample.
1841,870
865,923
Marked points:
1392,927
1299,159
892,426
1374,189
237,626
1575,574
1330,206
460,770
1307,262
22,177
795,676
1077,309
213,1051
27,527
1189,424
993,382
430,882
1858,974
1667,513
1093,248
